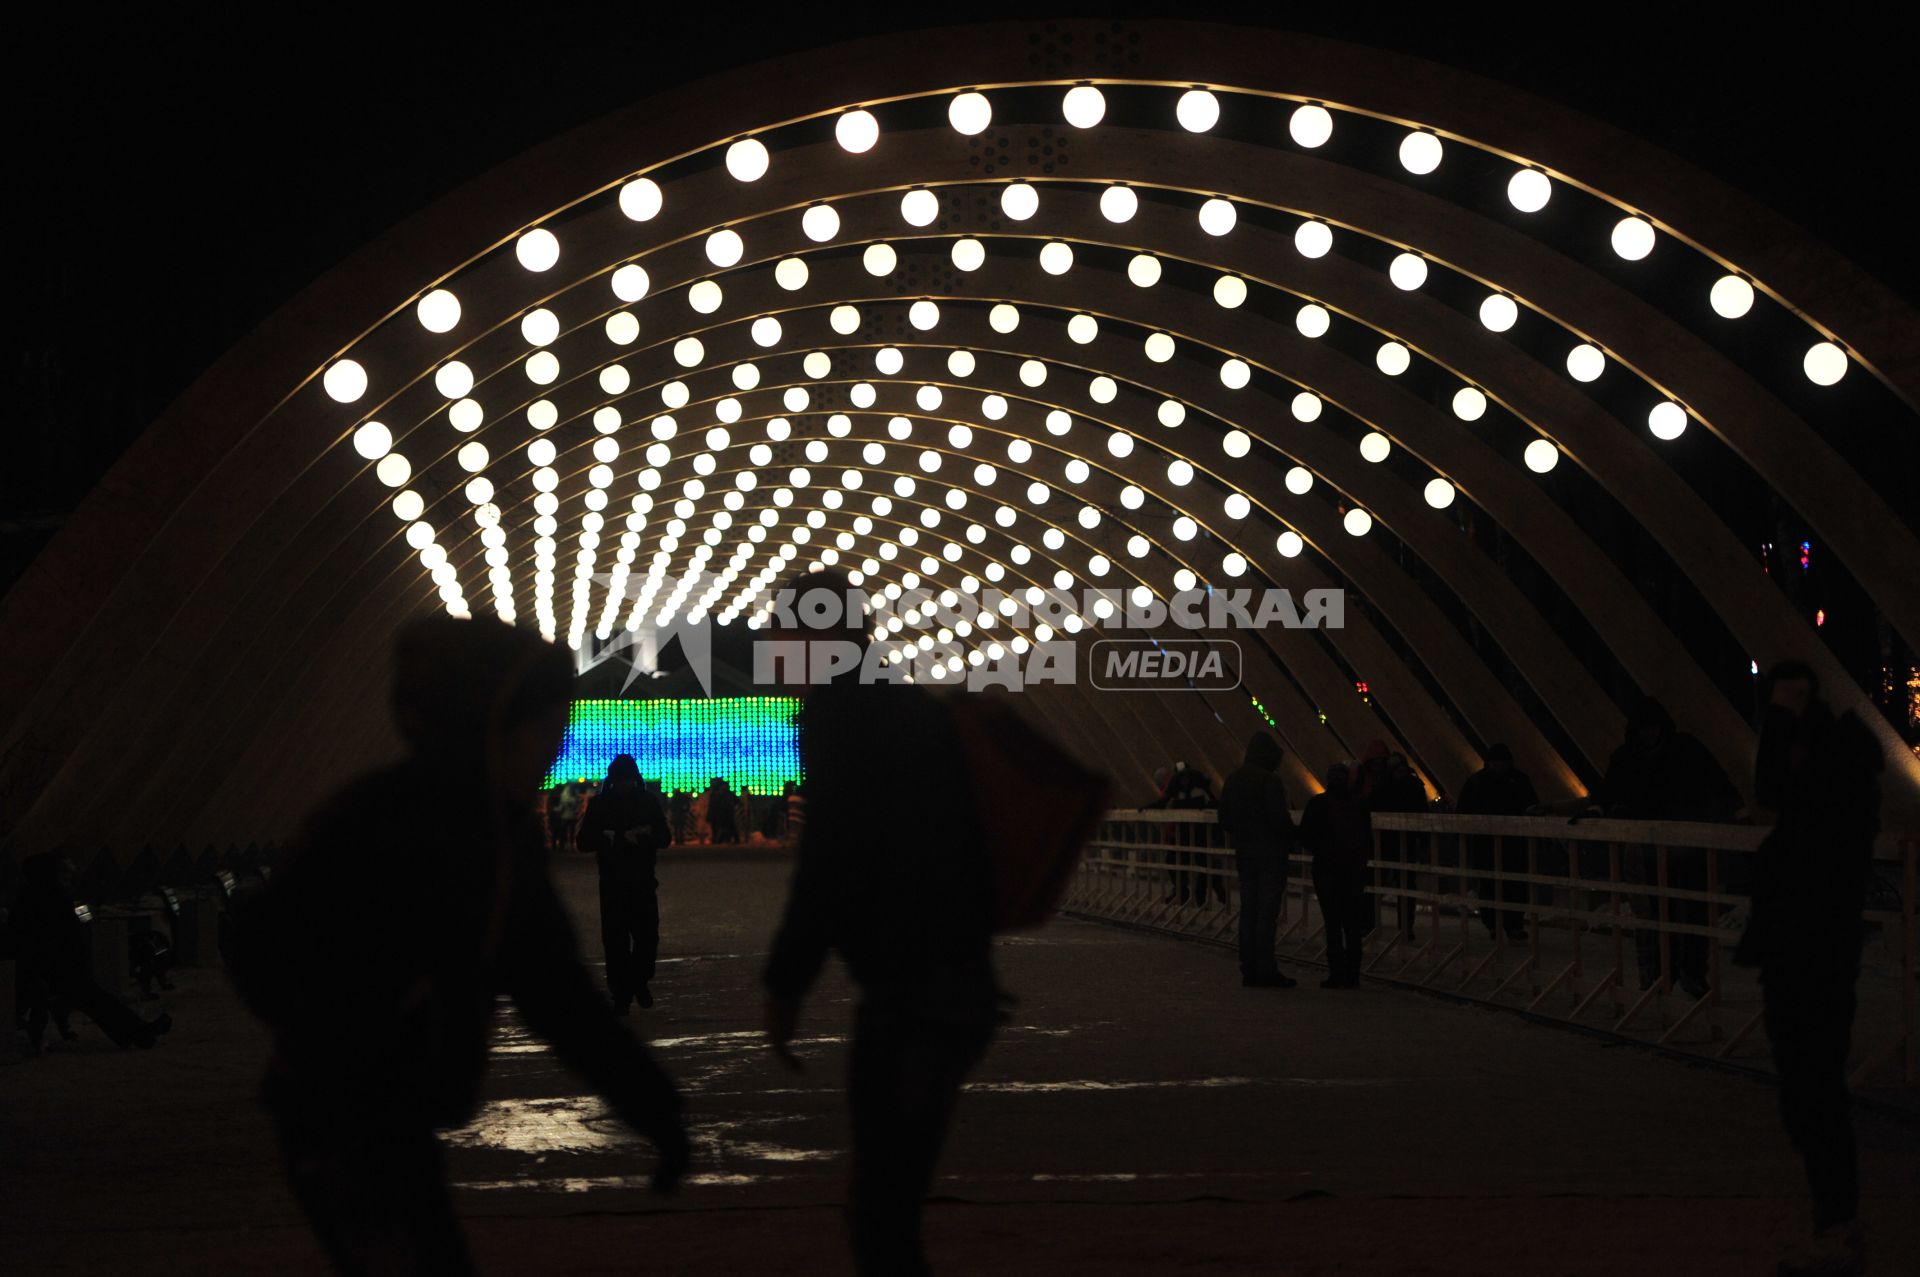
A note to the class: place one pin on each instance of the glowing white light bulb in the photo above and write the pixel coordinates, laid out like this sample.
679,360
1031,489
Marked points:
344,381
856,131
1633,238
1420,153
969,113
1732,297
1197,110
438,311
537,250
1084,106
747,159
1529,190
1667,420
1310,125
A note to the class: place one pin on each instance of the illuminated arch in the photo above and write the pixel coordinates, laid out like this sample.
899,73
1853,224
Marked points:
200,629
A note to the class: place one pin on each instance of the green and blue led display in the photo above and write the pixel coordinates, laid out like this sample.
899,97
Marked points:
747,741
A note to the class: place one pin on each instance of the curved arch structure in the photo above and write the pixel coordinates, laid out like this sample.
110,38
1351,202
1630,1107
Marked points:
1289,312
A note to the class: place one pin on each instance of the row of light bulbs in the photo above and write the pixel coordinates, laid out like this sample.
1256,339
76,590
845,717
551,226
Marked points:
539,250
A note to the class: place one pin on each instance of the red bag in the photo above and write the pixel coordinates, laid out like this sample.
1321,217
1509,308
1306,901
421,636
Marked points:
1037,808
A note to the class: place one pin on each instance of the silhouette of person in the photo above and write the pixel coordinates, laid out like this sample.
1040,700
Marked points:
1337,833
680,810
380,1034
1820,774
623,827
911,916
566,808
1189,789
720,812
792,812
55,961
1659,773
1259,824
1500,789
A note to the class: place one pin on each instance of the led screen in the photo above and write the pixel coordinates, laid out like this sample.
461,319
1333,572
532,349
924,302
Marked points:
748,741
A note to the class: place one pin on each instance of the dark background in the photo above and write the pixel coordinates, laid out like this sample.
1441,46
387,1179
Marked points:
183,176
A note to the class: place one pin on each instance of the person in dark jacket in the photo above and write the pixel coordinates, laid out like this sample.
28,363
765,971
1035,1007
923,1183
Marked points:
411,900
1820,774
1259,823
55,961
907,903
721,822
1659,773
680,812
1337,833
623,827
1500,789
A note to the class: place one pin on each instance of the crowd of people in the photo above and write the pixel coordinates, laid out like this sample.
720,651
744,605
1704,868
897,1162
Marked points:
715,816
467,912
46,934
1657,773
1817,771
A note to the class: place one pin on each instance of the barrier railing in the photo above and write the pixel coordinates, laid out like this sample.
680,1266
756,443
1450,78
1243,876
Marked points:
1623,926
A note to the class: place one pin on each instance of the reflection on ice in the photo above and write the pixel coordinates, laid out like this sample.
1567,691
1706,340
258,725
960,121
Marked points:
1095,1084
551,1124
594,1183
584,1124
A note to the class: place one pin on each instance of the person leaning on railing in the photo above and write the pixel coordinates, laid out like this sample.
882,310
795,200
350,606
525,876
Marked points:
1659,773
1820,773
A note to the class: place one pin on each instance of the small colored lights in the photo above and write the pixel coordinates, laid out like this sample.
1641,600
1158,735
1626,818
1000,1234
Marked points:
681,745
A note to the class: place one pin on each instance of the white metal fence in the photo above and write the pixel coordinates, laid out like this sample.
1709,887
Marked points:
1619,925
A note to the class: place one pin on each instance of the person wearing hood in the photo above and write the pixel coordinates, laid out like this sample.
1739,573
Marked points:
892,873
1337,832
1259,822
411,900
623,828
1819,772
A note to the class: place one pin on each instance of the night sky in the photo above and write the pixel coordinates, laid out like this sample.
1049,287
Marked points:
188,177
